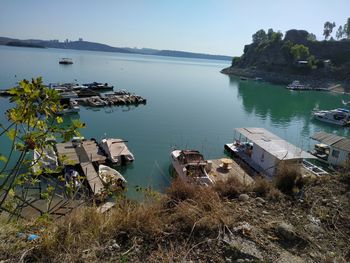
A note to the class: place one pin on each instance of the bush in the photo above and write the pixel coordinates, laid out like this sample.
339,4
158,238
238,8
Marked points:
231,188
288,179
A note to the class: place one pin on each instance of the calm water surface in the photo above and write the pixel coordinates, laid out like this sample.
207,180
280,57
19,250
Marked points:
190,104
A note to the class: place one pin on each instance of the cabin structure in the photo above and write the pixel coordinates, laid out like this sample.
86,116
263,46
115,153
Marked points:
333,149
265,151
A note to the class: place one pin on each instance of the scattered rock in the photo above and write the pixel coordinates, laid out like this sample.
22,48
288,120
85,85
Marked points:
241,249
243,197
348,194
265,212
287,231
287,257
260,200
314,229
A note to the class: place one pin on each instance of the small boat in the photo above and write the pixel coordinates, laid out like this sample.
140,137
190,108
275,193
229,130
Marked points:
69,107
98,86
316,170
116,151
258,79
96,102
191,166
337,116
295,85
111,177
243,78
65,61
85,92
321,151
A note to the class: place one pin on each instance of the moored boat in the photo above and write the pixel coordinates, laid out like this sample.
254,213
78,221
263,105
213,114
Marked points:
111,177
337,116
65,61
296,85
191,166
69,107
117,151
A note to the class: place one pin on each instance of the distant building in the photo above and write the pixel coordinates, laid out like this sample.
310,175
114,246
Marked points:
327,63
303,63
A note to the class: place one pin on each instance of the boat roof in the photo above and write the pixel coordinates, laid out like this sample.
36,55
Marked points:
333,140
273,144
117,147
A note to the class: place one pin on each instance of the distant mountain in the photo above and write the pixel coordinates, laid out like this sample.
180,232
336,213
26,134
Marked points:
92,46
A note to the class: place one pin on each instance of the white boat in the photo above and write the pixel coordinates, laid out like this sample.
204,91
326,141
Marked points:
116,151
65,61
111,177
190,166
337,116
45,159
346,103
71,107
316,170
295,85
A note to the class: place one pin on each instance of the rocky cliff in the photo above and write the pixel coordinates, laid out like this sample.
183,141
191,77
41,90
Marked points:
326,59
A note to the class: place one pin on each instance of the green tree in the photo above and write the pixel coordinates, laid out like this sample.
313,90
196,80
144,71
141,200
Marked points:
31,123
346,29
274,36
299,52
327,29
311,37
340,32
259,37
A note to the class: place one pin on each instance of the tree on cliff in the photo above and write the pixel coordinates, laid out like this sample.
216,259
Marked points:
347,29
340,32
31,125
299,52
328,28
274,36
311,37
259,37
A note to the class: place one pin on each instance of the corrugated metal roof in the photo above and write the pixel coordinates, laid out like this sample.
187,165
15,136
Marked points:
326,138
273,144
335,141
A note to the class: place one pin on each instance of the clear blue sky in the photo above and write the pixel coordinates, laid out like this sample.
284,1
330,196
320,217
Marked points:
207,26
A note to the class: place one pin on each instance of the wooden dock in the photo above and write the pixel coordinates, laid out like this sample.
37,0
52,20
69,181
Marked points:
219,173
83,153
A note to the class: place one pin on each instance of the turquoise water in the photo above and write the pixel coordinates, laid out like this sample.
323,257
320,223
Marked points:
190,104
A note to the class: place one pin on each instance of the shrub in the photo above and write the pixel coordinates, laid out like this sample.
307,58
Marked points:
288,178
230,188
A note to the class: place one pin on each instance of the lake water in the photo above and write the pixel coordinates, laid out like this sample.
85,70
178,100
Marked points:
190,104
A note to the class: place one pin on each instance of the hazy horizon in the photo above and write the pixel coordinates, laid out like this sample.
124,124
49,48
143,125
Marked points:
208,26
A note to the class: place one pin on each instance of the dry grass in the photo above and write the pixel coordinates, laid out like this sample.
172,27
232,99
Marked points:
231,188
264,188
288,179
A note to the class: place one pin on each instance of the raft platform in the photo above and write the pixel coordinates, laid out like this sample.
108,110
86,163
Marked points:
220,171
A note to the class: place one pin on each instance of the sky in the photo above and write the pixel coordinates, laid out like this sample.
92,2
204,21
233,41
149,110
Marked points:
205,26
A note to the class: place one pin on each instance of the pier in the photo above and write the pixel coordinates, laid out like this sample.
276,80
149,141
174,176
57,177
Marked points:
83,153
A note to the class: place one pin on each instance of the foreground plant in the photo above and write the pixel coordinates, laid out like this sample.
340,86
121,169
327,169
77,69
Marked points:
31,124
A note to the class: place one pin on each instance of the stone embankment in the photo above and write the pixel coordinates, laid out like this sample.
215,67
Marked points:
316,82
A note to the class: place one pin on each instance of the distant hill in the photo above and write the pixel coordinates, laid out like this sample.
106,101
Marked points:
92,46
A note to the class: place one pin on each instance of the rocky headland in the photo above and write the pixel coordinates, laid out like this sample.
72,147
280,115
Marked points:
319,64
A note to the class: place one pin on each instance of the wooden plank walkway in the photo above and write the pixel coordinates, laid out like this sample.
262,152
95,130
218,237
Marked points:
218,173
92,177
83,154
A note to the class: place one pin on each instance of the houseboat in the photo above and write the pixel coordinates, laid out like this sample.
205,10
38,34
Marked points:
65,61
263,151
331,148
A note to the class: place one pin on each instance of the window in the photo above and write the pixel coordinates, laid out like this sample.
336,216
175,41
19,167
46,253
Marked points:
335,153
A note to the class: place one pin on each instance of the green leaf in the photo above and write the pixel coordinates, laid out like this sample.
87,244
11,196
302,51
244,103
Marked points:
3,158
12,134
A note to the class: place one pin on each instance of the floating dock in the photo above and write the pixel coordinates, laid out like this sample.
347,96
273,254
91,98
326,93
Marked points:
83,153
220,171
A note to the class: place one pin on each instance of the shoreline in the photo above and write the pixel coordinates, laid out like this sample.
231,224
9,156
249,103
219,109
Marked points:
325,84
